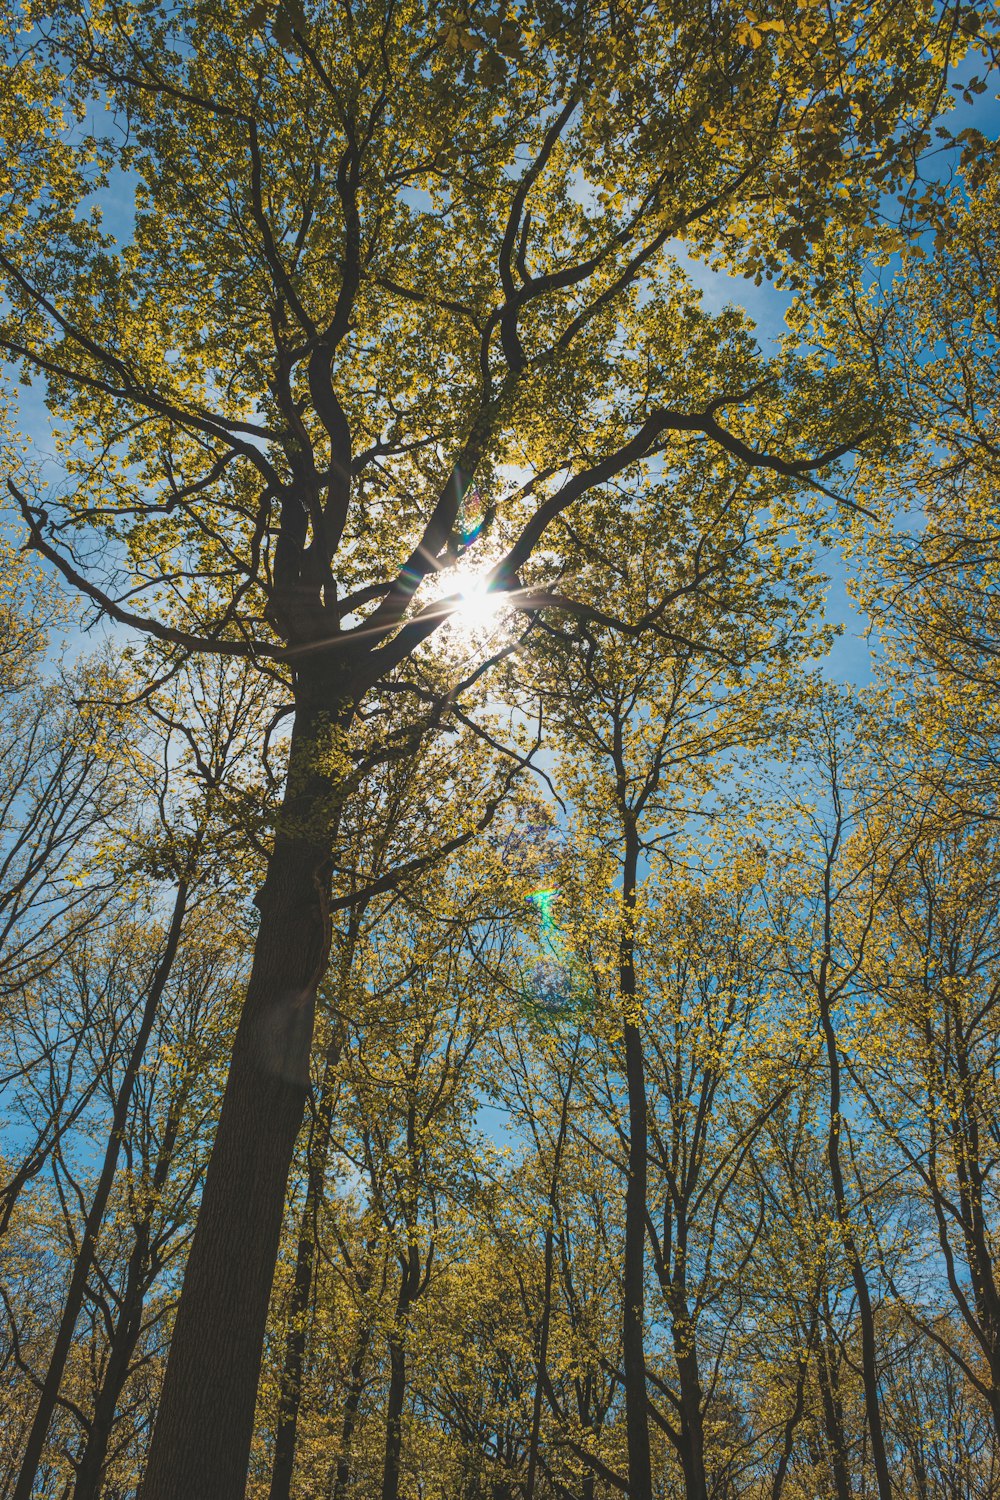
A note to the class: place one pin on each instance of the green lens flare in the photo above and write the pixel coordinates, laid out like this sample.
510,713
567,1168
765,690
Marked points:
555,991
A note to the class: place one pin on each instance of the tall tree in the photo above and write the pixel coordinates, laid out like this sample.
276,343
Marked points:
928,1067
643,720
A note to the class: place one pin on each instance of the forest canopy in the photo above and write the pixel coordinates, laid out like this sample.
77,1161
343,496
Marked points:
496,1003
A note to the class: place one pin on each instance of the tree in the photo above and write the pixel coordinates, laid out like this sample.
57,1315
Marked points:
361,276
63,781
928,1066
643,721
114,1252
60,781
916,302
182,848
388,949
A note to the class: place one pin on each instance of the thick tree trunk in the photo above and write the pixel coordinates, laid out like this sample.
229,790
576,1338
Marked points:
640,1478
201,1441
85,1255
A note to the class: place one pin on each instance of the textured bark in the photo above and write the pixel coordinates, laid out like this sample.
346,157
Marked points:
85,1254
200,1449
201,1441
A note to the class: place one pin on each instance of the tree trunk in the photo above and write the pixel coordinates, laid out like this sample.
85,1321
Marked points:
794,1416
201,1440
409,1291
352,1403
139,1276
290,1396
869,1368
833,1422
90,1471
290,1399
866,1317
973,1180
640,1478
394,1409
543,1333
85,1254
692,1453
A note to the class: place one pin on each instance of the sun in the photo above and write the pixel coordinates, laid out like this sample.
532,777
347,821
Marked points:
479,607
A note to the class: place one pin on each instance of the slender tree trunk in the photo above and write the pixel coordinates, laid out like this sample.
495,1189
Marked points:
409,1291
543,1335
692,1423
973,1181
543,1351
352,1404
90,1471
869,1364
394,1405
201,1441
640,1477
290,1398
128,1323
85,1254
788,1437
672,1275
866,1317
796,1413
833,1423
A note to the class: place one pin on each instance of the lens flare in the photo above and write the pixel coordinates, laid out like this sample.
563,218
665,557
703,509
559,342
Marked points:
478,606
554,984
